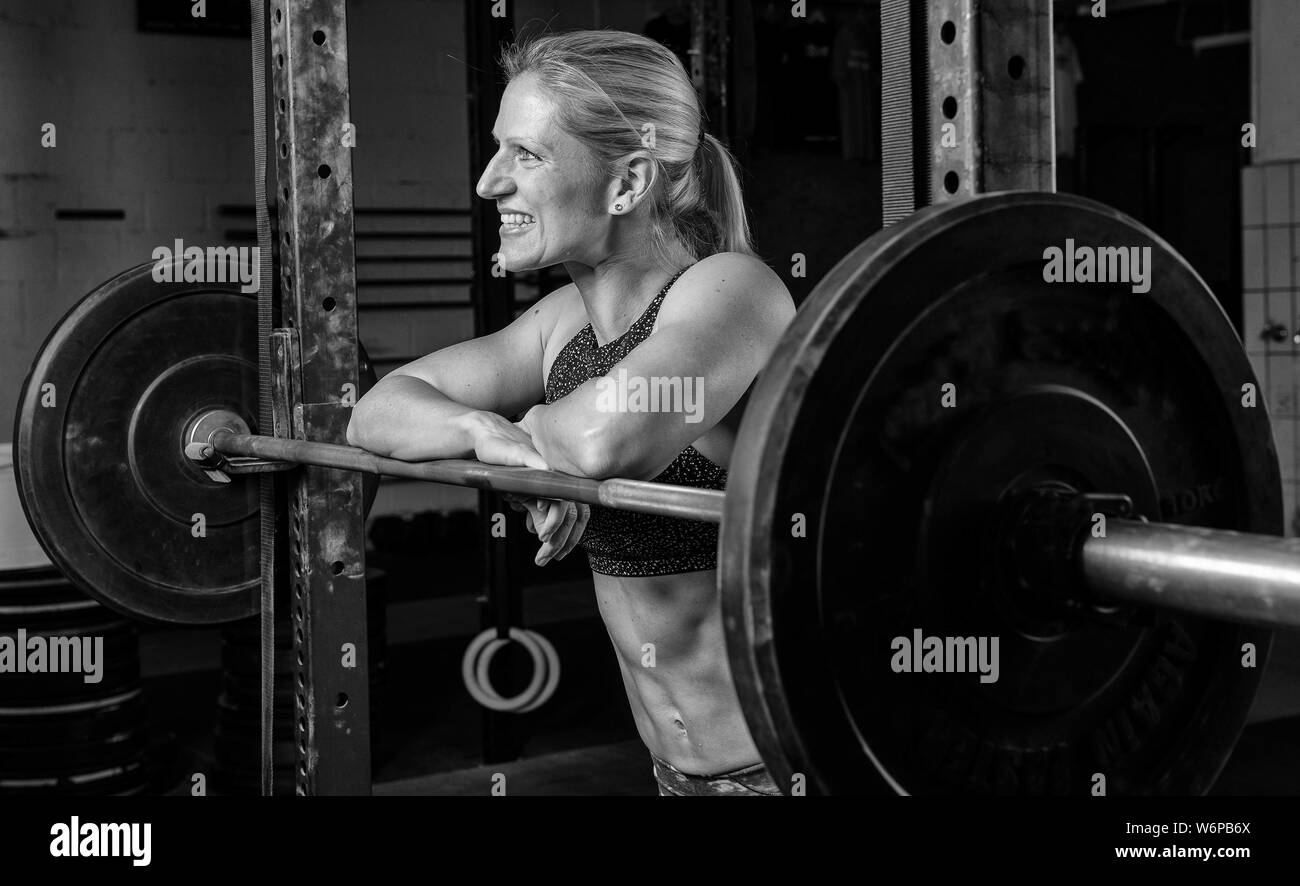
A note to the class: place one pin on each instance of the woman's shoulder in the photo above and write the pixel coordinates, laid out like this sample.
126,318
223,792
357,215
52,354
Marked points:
560,315
735,279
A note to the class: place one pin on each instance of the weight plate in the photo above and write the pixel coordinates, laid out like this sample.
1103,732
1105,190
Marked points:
101,472
1089,385
98,454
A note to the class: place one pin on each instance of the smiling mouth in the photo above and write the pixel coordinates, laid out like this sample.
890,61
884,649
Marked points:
517,221
515,230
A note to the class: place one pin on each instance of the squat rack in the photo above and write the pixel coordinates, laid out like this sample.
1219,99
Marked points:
956,72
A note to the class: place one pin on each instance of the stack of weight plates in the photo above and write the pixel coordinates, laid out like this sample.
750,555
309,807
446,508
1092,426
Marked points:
58,733
238,737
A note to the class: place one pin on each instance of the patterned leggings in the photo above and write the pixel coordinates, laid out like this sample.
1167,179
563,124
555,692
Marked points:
748,781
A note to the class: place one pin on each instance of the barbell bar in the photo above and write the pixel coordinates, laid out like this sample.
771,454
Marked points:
1242,577
629,495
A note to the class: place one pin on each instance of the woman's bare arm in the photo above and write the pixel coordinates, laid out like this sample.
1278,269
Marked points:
454,403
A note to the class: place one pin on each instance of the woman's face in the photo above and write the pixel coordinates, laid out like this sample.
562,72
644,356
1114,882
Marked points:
542,172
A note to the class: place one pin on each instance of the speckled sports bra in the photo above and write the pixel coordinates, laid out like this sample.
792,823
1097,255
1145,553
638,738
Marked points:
621,542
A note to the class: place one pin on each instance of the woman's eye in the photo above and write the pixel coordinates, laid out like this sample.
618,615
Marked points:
529,153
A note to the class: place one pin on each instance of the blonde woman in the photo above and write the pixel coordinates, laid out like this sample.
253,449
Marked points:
603,166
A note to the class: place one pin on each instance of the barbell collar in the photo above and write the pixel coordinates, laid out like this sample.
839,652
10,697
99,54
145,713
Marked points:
638,496
1234,576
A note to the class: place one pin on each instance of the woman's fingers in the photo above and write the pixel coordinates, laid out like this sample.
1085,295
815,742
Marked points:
506,443
556,513
498,450
567,535
557,524
581,514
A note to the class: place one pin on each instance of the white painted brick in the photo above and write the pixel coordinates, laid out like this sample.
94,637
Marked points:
22,49
27,256
21,152
1277,194
102,16
88,253
1284,436
138,247
162,106
1281,309
21,15
174,209
1252,195
140,153
1252,305
100,104
1258,365
1281,387
99,194
1295,254
1252,259
1277,245
83,153
198,158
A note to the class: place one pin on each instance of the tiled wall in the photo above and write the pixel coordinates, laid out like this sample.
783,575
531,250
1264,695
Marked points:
1270,240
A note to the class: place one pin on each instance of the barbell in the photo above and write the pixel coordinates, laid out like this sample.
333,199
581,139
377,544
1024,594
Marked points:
946,451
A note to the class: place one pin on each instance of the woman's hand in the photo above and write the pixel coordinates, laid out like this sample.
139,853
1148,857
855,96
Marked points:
559,524
499,441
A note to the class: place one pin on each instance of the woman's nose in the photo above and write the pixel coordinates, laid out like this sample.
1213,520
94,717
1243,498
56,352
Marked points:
489,184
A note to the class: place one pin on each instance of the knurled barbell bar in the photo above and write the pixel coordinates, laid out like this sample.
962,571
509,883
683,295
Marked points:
923,458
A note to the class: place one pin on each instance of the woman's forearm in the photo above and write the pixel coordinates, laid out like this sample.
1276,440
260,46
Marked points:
404,417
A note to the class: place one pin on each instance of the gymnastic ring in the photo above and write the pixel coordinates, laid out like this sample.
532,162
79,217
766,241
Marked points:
481,650
551,668
552,673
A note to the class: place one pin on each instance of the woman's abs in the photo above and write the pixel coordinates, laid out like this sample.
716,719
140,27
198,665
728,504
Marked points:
667,633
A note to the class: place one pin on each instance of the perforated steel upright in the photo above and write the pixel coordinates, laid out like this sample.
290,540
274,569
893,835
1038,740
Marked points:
317,281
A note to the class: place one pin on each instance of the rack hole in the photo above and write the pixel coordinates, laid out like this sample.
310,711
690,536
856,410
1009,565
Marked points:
1016,67
950,107
950,182
948,32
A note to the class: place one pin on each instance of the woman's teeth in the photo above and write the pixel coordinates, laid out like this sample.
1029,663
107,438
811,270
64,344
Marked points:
516,219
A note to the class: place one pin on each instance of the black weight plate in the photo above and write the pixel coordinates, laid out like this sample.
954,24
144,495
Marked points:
98,451
101,471
1094,385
